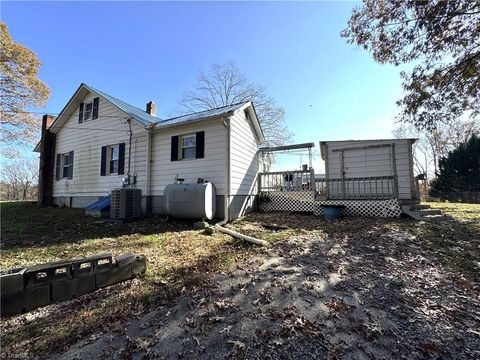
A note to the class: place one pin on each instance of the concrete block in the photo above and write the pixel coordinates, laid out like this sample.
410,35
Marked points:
139,266
210,230
11,281
35,297
115,275
103,262
83,268
82,281
125,259
25,300
26,289
200,225
48,273
70,289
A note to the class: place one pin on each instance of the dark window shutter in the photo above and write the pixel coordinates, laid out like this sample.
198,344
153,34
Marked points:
80,113
121,158
103,164
200,147
174,149
70,167
57,167
95,108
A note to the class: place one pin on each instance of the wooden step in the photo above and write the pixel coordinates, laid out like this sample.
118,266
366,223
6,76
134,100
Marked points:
419,206
439,217
424,212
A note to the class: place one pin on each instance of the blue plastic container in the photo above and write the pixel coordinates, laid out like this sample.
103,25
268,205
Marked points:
332,211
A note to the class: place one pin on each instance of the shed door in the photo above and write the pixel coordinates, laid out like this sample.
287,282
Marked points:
368,167
367,162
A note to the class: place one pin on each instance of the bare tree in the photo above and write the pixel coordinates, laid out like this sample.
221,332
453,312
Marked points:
225,85
422,157
436,143
19,179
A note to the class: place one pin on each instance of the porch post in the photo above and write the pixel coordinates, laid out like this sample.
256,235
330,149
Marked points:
395,176
312,179
342,167
259,182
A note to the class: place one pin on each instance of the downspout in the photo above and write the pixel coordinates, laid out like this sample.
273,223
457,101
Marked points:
219,225
226,202
129,121
148,170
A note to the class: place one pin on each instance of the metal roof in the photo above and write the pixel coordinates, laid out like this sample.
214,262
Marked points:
201,114
141,115
287,147
147,119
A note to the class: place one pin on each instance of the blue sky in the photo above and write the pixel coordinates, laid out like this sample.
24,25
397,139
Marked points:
154,50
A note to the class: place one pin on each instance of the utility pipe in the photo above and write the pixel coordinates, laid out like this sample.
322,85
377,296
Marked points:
148,170
241,236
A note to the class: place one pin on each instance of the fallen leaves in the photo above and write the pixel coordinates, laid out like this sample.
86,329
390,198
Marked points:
238,345
348,289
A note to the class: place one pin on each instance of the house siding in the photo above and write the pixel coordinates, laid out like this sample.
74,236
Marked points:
86,140
210,168
372,162
244,164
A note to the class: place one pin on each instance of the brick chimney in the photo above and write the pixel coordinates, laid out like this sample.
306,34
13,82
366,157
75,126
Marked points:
47,121
47,162
151,108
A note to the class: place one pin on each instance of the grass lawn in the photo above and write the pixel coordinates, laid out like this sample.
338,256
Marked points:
179,258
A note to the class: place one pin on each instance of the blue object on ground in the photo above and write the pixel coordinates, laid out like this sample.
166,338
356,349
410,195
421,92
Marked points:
332,211
100,208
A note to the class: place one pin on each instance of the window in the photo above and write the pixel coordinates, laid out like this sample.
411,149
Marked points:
87,115
112,160
114,152
88,110
64,166
188,146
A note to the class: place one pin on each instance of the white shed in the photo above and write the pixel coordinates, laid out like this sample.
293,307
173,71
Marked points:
369,169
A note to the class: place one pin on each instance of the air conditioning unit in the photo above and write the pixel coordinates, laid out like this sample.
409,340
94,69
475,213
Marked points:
126,204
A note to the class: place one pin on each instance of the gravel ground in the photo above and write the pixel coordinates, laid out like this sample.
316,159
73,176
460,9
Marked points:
311,295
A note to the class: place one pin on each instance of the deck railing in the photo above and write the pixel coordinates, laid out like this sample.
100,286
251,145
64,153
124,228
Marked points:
295,180
374,187
359,188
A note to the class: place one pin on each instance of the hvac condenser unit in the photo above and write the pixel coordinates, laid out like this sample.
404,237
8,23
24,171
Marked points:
126,203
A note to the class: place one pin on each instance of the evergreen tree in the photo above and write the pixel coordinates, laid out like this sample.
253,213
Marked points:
459,173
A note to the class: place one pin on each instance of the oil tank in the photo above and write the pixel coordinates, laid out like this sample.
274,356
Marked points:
190,201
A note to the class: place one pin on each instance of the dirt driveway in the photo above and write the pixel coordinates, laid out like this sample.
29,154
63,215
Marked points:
309,296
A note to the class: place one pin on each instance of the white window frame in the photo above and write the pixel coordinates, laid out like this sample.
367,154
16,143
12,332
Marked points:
64,165
110,153
85,117
181,147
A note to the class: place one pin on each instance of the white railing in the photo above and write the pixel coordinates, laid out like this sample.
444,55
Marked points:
374,187
294,180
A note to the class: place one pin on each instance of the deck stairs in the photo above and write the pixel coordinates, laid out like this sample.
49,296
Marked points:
423,212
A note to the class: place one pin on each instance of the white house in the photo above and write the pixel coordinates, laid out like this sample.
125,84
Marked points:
97,140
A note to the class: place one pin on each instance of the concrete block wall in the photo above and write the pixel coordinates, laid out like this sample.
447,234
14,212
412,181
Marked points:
24,289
